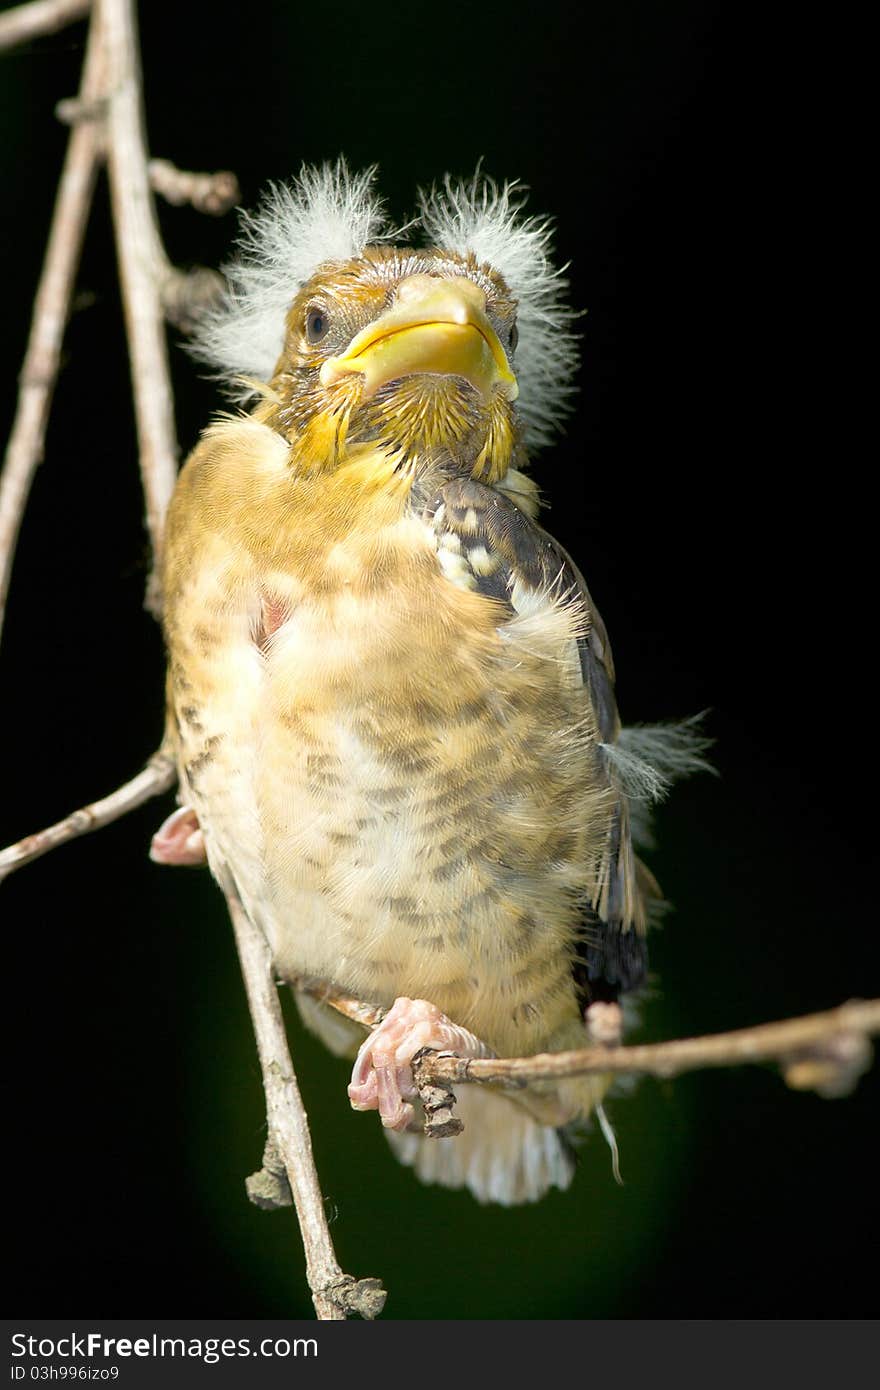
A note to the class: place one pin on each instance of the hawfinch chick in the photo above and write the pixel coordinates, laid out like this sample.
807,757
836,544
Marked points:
391,692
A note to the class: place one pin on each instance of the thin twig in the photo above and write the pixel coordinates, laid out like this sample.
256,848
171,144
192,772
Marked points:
187,294
40,17
51,309
72,110
825,1052
334,1294
213,194
834,1044
355,1009
157,777
143,265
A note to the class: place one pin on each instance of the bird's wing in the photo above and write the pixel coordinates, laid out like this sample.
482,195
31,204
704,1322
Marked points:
501,553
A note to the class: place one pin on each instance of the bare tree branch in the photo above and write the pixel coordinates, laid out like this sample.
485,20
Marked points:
51,309
826,1052
40,17
355,1009
334,1294
213,194
157,777
186,294
143,265
72,110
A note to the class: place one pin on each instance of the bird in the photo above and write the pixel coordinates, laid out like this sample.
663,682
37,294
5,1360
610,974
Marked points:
390,694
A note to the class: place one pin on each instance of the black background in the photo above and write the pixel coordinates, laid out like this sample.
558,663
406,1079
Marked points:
702,168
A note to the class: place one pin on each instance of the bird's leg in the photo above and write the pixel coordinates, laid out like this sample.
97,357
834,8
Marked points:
179,840
382,1076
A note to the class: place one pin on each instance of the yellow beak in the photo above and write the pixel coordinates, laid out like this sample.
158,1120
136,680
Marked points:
436,326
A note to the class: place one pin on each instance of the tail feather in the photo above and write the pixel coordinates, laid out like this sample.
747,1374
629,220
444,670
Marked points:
503,1154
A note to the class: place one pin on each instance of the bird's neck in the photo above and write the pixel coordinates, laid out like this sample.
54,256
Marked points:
422,427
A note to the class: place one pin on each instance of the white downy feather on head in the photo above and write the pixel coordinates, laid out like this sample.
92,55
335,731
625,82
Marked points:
487,219
327,214
330,213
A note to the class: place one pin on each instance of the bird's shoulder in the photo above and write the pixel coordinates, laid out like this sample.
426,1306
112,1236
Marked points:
488,540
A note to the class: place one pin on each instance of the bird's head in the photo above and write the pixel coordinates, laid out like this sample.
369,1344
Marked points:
411,350
459,353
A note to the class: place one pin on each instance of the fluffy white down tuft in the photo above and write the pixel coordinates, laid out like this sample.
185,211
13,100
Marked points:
648,758
330,213
487,219
327,214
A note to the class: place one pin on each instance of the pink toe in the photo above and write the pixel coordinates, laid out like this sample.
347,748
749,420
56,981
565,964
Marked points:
393,1111
363,1097
179,840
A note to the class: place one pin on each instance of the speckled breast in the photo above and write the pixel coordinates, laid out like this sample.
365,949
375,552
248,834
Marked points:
422,775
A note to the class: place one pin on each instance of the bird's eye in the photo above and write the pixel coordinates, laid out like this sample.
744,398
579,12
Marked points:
514,337
317,323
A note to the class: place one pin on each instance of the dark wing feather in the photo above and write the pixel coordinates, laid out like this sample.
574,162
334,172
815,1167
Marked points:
502,547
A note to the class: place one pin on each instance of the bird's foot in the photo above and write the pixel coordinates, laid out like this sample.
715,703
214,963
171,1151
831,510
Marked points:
604,1023
382,1077
179,840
